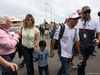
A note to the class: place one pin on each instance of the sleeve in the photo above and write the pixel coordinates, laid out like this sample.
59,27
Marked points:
97,26
8,41
56,35
77,35
36,30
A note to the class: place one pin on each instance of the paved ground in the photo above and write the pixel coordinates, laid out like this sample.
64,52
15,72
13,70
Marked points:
93,67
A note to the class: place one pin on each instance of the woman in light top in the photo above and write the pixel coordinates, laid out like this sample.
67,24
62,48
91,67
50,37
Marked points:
29,42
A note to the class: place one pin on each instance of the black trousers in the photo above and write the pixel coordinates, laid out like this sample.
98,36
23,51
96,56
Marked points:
86,53
28,57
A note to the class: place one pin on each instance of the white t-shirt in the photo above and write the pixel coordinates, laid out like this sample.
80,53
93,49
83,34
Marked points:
31,37
67,40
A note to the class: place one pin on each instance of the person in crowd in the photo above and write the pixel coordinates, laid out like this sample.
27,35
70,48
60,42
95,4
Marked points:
72,66
66,21
41,30
65,48
29,42
42,55
7,42
79,12
47,28
51,30
87,28
7,64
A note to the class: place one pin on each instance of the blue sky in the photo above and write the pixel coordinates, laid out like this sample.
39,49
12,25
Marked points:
60,8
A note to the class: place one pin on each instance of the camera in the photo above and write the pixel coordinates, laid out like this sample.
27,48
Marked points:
93,42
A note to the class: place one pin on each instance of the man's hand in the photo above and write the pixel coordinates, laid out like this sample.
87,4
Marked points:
52,54
96,42
81,56
11,66
17,31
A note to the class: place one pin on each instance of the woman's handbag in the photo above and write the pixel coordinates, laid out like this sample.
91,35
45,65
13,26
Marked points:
19,46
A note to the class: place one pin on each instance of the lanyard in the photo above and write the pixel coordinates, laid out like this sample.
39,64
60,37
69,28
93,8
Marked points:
85,23
28,33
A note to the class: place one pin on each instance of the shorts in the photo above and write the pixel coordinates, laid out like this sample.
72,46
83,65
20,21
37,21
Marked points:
46,32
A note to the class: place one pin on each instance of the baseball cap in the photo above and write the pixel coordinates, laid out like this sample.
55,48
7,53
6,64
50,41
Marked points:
85,8
74,15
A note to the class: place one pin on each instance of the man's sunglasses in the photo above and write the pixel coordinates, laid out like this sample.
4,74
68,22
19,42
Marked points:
87,12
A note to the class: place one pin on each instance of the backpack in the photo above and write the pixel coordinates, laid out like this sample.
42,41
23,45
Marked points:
60,36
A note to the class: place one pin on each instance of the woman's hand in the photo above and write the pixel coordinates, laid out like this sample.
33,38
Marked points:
35,49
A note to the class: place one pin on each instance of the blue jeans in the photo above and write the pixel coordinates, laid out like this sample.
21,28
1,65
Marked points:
86,53
64,62
7,58
45,69
64,70
28,57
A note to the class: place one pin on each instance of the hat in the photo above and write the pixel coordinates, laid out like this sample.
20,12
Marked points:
74,15
85,8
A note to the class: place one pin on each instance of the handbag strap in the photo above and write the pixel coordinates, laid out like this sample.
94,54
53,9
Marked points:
21,32
4,30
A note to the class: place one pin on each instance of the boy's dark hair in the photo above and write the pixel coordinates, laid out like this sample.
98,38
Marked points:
42,43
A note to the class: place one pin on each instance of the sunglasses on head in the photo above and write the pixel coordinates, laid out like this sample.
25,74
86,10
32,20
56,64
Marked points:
87,12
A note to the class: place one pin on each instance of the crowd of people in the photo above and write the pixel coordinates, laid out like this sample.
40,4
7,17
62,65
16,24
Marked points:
81,33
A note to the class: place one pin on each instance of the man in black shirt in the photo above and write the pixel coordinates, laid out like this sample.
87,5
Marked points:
87,28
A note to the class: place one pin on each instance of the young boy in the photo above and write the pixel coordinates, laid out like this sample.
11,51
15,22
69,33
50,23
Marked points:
42,55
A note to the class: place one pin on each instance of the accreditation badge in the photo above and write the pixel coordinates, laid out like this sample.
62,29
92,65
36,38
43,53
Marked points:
84,35
28,43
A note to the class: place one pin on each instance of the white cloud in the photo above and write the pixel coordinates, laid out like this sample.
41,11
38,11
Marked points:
60,8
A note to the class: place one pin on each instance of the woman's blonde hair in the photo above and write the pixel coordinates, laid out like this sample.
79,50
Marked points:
26,18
